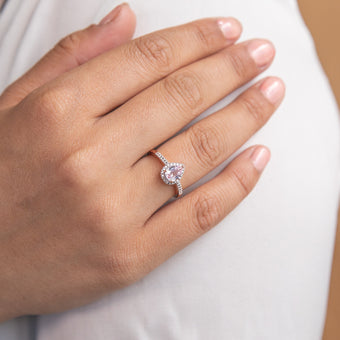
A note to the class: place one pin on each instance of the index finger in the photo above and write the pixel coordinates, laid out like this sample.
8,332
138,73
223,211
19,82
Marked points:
112,78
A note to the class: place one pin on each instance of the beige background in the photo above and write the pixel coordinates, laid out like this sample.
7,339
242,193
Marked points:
323,19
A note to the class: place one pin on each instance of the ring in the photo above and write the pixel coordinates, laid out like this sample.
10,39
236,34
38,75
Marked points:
171,173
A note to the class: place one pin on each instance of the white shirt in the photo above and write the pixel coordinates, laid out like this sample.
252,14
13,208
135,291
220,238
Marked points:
263,272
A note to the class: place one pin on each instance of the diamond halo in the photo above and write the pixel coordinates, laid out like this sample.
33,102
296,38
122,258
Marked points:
171,173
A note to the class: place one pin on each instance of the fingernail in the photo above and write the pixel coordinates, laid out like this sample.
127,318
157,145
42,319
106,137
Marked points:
262,52
113,15
230,27
260,158
273,89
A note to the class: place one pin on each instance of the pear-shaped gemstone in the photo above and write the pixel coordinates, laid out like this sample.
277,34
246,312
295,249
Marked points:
172,172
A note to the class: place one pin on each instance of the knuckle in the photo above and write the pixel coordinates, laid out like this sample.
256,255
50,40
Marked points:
238,64
76,171
69,171
204,34
52,104
155,50
46,104
255,107
12,95
243,180
206,212
123,264
69,44
184,91
206,144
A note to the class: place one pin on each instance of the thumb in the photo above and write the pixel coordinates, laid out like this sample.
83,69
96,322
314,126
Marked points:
75,49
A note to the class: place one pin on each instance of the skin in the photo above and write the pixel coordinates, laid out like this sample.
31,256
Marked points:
82,201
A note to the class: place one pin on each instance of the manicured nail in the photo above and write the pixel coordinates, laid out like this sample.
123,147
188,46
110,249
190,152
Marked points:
113,15
260,158
230,27
262,52
273,89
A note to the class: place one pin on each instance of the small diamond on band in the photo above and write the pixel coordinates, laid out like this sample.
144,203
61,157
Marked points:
171,173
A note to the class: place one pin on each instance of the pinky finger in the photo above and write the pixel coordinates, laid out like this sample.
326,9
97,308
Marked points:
181,222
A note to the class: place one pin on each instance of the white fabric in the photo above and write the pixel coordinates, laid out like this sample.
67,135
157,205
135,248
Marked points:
263,272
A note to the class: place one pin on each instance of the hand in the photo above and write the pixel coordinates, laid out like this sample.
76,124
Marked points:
80,198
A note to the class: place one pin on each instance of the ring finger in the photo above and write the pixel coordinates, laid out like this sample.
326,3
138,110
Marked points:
212,140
